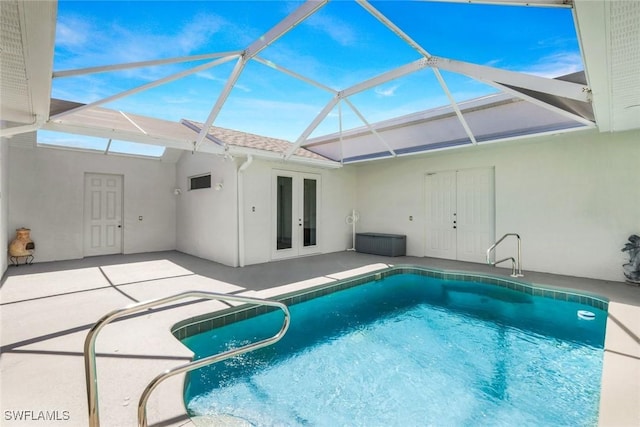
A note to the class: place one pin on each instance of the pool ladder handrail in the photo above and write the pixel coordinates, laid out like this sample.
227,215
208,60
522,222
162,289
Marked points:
515,264
90,350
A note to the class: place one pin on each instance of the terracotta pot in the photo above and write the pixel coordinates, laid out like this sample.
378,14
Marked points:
22,245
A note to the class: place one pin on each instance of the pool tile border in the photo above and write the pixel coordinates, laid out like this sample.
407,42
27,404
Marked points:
207,322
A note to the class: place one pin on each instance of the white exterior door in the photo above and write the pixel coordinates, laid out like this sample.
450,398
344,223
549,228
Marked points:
441,214
296,214
102,214
460,220
475,214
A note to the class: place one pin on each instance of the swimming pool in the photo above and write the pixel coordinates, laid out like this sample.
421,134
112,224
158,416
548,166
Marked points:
415,347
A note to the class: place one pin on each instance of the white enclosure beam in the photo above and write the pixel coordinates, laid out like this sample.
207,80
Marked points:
483,73
535,3
341,140
130,120
150,85
371,128
233,78
494,76
118,67
295,75
385,77
455,106
393,27
294,18
319,118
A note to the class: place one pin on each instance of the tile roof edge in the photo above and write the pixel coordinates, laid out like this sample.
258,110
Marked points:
197,127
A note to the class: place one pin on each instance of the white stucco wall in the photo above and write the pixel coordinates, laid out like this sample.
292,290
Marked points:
46,194
207,225
4,203
573,198
337,199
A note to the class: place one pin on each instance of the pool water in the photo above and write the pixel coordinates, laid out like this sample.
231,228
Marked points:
408,350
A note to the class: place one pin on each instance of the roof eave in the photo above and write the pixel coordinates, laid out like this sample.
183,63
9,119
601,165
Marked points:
273,156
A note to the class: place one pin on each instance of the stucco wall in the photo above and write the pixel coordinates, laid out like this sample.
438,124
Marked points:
207,225
338,195
4,203
574,198
46,194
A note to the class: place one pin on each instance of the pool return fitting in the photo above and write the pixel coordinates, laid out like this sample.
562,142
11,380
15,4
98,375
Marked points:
514,264
90,347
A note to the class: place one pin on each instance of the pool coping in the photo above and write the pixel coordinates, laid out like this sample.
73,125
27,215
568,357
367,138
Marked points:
617,390
206,322
46,311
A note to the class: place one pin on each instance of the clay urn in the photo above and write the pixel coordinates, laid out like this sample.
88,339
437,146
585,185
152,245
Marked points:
22,245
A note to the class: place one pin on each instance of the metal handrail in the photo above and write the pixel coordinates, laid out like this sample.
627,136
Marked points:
90,347
514,262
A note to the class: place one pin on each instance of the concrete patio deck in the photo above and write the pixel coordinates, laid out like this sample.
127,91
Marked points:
47,309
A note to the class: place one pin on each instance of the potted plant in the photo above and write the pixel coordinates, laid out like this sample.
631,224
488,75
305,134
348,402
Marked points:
632,268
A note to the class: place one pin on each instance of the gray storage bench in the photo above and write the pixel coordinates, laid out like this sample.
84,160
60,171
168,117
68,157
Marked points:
381,244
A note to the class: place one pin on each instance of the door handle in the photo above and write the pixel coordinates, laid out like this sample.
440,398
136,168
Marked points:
119,226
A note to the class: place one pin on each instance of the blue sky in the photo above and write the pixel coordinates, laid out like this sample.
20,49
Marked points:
339,46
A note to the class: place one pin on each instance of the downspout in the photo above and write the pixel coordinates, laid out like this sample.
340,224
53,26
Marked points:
240,181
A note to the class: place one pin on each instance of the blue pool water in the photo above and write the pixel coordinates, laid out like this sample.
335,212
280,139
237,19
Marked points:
408,350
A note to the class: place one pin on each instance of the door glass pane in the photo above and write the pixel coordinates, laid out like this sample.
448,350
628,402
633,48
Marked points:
284,210
310,212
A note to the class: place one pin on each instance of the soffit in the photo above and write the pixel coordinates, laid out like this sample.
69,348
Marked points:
610,35
26,41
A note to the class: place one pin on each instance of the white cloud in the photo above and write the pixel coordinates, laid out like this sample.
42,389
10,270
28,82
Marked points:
556,65
72,32
390,91
336,28
208,75
281,108
85,42
493,63
197,33
549,66
179,100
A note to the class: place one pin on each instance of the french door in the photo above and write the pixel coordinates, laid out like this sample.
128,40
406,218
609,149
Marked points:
460,214
102,214
296,214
